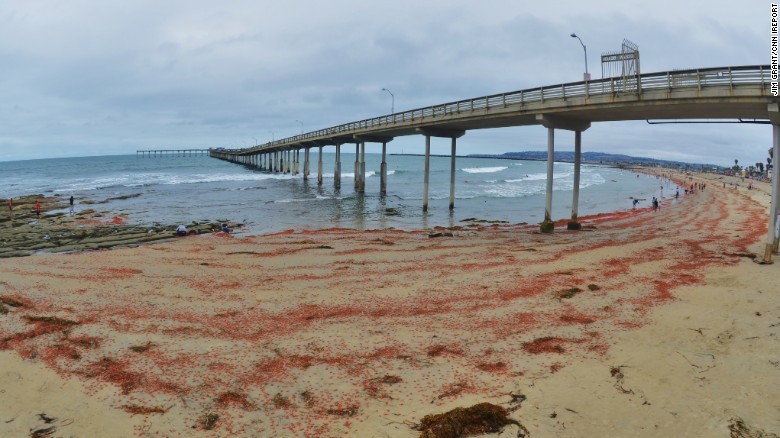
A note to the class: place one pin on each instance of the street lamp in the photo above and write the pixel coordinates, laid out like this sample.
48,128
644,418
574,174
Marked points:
256,143
586,76
392,102
301,126
272,136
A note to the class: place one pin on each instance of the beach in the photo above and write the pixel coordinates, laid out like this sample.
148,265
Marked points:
641,324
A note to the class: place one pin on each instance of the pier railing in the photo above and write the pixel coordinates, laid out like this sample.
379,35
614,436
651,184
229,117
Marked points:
676,80
157,153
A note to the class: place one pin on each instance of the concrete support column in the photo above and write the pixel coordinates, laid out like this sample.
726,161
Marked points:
319,168
306,163
293,163
383,170
452,175
547,226
357,165
427,171
337,168
362,184
294,169
575,197
276,161
773,208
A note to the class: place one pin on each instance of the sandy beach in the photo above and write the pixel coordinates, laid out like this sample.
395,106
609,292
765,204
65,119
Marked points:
644,323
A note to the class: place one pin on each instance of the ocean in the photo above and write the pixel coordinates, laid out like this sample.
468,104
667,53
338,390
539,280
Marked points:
172,190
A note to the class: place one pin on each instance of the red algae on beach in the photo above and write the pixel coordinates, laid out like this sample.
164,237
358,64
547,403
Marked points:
277,335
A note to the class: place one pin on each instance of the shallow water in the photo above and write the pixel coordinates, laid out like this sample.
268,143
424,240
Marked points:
185,189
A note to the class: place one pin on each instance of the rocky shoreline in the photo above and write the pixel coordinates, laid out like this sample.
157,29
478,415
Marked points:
58,231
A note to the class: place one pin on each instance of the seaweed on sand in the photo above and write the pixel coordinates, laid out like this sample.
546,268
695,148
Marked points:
569,293
460,422
207,421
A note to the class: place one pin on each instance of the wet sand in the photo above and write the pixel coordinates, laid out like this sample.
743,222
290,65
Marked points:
642,324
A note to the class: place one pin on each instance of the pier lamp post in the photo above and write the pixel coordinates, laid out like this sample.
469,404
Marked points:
256,143
301,126
586,76
392,101
272,136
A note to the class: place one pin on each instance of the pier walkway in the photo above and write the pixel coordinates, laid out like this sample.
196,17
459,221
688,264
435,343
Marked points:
159,153
736,92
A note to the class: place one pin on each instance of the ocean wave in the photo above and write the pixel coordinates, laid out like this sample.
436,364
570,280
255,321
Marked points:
369,173
150,179
484,169
539,177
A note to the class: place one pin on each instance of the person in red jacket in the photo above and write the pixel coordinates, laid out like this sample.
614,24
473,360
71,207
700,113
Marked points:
38,209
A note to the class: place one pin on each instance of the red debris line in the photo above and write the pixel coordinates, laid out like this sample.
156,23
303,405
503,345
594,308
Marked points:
121,273
55,352
16,301
280,233
143,410
42,326
572,317
493,367
375,387
359,251
441,349
554,368
460,386
234,398
547,344
114,372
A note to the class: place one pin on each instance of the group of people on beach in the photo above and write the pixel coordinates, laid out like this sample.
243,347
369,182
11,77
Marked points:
37,207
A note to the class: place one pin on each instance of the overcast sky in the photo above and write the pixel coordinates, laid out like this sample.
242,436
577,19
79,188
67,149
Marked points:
85,77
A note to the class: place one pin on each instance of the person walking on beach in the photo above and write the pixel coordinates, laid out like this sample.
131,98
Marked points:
71,205
37,209
11,207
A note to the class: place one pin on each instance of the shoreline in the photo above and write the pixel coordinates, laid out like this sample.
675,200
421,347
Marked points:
651,324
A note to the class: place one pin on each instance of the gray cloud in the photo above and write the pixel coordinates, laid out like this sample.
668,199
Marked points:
87,78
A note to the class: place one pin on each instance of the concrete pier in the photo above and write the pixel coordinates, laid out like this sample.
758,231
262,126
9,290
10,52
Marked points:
732,92
337,168
362,167
383,170
160,153
306,163
427,171
547,226
357,165
452,175
319,168
575,197
773,207
552,122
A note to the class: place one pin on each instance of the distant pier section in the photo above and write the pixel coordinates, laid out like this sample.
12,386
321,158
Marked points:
160,153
